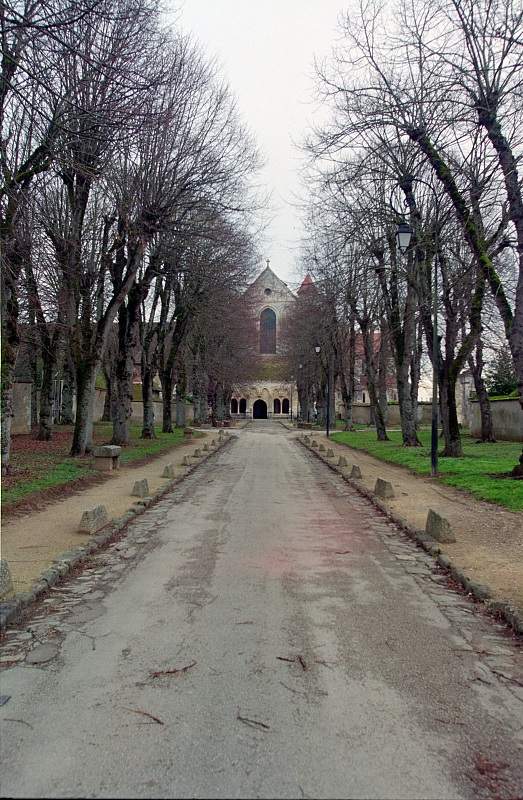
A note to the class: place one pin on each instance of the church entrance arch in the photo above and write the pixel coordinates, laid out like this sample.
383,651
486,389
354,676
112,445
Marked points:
259,410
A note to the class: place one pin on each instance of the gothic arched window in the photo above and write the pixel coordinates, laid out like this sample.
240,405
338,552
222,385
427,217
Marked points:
277,406
285,406
267,331
234,406
243,405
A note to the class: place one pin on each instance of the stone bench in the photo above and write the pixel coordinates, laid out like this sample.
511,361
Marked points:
107,457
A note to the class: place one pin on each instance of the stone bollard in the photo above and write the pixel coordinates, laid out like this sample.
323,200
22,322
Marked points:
321,448
93,520
342,462
330,453
197,453
355,472
383,489
206,448
212,443
6,582
168,471
314,444
140,488
186,461
438,527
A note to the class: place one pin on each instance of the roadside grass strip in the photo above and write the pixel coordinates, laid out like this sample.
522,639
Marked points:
480,471
42,466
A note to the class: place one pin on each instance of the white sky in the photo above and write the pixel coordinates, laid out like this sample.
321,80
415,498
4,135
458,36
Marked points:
266,49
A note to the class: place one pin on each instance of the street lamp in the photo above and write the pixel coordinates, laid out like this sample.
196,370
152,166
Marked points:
292,381
403,237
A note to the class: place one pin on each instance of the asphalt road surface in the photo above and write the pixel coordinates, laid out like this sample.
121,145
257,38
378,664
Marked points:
261,632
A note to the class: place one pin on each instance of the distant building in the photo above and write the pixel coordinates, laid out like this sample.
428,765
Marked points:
272,392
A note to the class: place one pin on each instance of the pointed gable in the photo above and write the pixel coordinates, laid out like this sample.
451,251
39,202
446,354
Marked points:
268,285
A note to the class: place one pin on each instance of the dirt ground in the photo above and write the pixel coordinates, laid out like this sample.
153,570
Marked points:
31,542
489,544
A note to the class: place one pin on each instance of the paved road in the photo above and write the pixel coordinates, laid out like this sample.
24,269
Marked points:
324,656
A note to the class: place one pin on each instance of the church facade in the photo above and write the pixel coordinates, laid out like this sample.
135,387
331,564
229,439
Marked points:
271,392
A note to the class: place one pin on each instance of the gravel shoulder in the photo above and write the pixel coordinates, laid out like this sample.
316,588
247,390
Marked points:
30,543
489,542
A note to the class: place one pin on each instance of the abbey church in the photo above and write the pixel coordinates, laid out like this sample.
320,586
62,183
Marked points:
272,393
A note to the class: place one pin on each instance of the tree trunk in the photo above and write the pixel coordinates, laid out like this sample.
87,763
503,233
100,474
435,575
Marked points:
509,166
220,403
85,392
122,385
449,417
383,371
66,410
167,381
148,431
476,368
45,422
106,415
10,344
181,390
370,372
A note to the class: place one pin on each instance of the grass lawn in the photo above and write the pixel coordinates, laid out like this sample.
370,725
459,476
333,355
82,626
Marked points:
476,472
41,467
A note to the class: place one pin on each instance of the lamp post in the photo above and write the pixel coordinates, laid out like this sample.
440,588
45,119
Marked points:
292,381
403,237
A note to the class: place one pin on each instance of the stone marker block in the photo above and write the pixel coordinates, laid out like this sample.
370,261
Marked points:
342,462
314,444
186,461
330,453
107,457
438,527
6,582
107,451
383,488
322,448
93,519
355,472
212,443
140,488
197,453
206,448
168,471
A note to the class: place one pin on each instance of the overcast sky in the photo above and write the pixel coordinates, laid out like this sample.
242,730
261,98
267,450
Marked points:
266,49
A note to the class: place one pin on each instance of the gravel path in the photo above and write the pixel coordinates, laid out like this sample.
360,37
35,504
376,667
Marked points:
261,632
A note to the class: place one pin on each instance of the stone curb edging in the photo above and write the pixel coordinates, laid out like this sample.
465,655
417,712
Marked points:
499,608
11,610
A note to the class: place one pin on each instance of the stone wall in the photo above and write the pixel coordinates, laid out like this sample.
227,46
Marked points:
137,415
507,419
361,414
